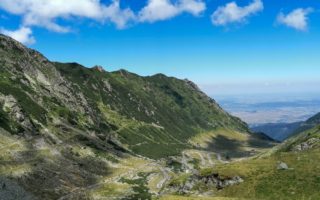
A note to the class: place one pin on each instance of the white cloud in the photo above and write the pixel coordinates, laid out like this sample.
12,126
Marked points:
23,35
297,19
232,13
117,15
45,13
157,10
56,15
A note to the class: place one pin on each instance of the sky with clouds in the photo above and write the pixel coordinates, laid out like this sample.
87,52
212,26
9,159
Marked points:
225,46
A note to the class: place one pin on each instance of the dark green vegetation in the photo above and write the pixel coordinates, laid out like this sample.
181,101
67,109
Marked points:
141,191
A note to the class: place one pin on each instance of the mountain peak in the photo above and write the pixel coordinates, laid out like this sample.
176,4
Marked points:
99,68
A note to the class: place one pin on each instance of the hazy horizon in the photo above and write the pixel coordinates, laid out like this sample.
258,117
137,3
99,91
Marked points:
271,108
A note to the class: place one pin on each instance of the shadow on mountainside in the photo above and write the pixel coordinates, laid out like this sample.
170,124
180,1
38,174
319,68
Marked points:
228,148
10,190
50,172
257,142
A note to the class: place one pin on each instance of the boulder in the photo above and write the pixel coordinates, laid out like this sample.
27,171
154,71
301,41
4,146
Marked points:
282,166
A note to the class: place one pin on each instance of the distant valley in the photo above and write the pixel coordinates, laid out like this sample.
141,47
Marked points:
277,131
278,116
262,109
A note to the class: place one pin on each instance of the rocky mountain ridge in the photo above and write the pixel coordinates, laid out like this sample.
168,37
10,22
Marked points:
107,104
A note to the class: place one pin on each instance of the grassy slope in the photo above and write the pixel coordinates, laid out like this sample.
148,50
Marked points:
262,179
308,124
230,143
157,113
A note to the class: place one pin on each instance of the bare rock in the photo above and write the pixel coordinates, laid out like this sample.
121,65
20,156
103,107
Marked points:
309,144
282,166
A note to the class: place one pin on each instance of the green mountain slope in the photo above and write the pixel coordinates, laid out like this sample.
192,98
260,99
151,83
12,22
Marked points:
308,124
157,113
306,140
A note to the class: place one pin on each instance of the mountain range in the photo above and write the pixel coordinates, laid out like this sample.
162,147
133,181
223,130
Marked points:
283,131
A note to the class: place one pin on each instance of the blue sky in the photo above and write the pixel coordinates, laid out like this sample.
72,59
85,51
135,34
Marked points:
248,46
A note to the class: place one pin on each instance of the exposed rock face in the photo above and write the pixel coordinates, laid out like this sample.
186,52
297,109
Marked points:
107,85
12,108
309,144
98,68
211,181
221,182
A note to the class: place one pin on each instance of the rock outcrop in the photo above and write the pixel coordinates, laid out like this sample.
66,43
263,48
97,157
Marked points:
212,181
309,144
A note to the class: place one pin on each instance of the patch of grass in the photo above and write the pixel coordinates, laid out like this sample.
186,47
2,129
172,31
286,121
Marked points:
105,155
112,190
4,120
180,179
195,162
141,191
175,165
